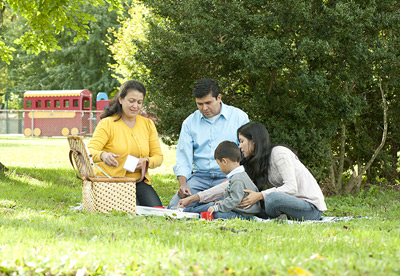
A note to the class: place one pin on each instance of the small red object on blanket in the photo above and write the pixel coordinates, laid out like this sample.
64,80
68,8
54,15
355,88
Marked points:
206,215
159,207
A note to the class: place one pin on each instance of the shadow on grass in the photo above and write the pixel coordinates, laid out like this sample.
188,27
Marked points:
40,189
50,188
56,176
37,203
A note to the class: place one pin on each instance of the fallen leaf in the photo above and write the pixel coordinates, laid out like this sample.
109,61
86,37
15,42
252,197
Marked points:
298,271
316,256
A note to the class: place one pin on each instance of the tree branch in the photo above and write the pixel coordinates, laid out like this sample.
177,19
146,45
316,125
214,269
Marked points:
384,134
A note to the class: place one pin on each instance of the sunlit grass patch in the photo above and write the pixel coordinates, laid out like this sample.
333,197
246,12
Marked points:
41,235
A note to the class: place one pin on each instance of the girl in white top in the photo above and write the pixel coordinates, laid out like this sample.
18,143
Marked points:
287,186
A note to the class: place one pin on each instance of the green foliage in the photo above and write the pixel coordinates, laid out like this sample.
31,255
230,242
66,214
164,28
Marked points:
369,42
15,101
5,52
80,64
46,20
134,27
303,68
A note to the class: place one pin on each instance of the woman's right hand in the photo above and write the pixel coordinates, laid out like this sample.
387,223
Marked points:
249,200
109,159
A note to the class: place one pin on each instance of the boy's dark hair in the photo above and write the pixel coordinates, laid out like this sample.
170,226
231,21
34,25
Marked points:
204,87
227,149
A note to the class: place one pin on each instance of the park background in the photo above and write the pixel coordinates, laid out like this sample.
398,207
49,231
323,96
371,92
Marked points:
321,75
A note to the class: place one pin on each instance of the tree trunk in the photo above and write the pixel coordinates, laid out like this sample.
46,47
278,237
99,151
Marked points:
341,159
356,178
336,171
332,173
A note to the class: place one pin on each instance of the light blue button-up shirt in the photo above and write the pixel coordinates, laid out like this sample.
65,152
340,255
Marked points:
200,136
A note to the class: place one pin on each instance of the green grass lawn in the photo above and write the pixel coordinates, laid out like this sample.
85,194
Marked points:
41,235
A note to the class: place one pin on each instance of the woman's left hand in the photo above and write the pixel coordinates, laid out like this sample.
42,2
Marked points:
249,200
141,163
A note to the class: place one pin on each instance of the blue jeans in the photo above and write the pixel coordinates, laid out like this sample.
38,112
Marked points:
295,208
199,181
203,207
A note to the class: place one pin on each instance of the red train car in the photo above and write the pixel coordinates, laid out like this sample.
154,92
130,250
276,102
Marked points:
58,112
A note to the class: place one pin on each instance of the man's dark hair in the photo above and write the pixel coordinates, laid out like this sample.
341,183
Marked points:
227,149
204,87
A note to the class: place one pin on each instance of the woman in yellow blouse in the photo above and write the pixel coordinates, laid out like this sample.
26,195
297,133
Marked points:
122,132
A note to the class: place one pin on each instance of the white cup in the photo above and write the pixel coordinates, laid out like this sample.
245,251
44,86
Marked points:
131,163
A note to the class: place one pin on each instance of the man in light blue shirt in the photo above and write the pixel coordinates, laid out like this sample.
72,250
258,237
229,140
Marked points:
201,132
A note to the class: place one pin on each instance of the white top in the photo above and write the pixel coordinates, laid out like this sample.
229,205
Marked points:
287,175
239,169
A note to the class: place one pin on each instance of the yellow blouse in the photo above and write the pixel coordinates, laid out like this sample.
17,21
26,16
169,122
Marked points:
140,141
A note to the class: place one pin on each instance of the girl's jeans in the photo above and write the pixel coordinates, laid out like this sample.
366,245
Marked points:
295,208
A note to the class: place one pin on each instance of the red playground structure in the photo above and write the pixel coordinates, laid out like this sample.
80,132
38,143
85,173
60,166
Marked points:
58,112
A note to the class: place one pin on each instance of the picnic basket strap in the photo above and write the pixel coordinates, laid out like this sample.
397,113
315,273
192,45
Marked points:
145,167
80,156
72,151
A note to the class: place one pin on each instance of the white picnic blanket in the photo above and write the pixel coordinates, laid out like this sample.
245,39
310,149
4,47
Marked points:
146,211
322,220
151,211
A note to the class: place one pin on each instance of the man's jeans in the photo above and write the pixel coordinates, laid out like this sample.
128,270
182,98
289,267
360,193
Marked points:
199,181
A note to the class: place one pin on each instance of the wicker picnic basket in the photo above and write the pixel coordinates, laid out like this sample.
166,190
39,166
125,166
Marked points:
102,194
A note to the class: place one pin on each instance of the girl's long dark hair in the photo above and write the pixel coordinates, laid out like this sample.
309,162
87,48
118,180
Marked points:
115,107
257,165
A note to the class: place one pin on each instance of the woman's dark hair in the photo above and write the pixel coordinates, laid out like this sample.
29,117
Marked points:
257,165
115,107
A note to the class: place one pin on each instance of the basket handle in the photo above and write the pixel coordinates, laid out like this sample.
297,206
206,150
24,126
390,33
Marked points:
79,155
145,167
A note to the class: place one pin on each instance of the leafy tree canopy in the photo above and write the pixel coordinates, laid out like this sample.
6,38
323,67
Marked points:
45,20
81,64
134,28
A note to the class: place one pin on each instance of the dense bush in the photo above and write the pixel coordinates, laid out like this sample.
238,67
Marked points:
307,69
